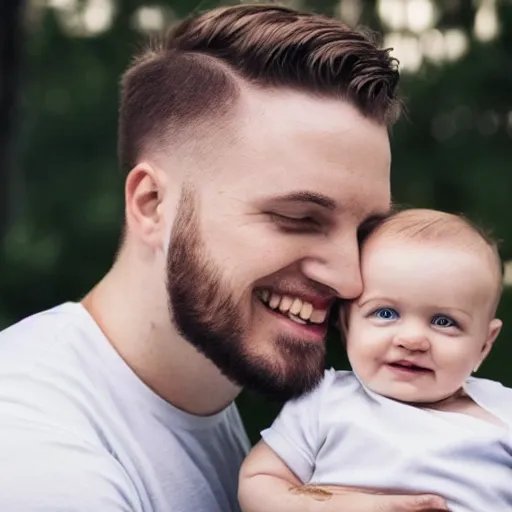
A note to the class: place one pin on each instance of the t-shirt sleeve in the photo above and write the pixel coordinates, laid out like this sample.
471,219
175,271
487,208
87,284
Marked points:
295,435
45,469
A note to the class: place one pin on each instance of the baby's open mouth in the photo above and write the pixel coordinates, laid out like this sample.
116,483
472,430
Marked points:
409,366
294,308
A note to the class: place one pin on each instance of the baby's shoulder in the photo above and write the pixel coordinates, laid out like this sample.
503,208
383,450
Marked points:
493,395
335,387
481,386
339,383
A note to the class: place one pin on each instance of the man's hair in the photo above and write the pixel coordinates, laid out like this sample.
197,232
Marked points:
195,74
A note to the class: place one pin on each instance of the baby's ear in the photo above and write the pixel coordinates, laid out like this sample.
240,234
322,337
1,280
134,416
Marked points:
494,329
495,326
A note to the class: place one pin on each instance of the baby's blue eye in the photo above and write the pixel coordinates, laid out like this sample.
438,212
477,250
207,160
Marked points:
443,321
386,314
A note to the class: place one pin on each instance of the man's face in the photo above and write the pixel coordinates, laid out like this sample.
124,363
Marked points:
267,239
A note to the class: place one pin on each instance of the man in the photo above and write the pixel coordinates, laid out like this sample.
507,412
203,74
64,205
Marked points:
256,149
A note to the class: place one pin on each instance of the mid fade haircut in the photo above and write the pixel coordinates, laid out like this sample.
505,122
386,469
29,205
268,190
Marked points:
195,74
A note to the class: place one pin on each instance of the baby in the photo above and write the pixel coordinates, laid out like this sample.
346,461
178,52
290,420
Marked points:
409,416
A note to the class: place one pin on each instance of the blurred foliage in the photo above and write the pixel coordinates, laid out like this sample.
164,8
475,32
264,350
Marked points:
65,197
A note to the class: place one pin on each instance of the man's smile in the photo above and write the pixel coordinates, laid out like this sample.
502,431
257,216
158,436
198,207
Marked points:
311,319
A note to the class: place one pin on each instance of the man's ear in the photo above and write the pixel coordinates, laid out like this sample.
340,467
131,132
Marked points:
143,210
494,329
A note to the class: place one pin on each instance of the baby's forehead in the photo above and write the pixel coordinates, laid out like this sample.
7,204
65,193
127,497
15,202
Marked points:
430,230
427,225
460,241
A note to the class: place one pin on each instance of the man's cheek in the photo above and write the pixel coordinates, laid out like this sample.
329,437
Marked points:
258,254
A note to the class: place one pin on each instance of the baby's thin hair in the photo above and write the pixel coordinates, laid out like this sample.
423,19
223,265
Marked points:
434,225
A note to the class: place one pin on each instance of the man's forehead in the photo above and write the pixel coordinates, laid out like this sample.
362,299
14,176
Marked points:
330,158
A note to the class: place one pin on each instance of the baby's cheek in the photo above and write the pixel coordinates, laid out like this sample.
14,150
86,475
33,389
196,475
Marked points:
455,358
362,356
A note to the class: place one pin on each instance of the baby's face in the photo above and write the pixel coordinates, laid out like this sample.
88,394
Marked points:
424,321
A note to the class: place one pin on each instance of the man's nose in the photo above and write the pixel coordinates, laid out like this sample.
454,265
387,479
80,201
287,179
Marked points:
336,265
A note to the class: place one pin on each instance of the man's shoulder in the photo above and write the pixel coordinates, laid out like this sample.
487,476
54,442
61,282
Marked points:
26,339
47,371
48,469
50,344
53,451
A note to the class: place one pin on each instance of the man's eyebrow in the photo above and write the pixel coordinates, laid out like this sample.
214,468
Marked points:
306,196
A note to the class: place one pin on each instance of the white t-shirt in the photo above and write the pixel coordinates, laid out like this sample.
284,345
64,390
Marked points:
80,432
344,434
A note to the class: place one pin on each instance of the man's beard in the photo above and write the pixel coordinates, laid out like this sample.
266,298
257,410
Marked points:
206,315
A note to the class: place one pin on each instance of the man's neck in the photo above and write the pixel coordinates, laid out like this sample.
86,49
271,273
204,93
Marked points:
139,328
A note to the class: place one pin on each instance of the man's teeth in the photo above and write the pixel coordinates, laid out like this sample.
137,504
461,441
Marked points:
297,309
285,304
274,301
